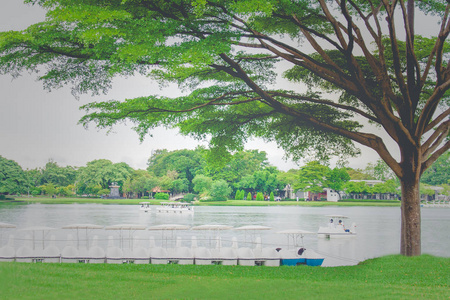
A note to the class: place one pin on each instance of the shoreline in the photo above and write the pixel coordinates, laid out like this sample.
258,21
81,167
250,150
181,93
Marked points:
46,200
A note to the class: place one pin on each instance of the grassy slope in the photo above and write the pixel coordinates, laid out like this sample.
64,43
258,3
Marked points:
390,277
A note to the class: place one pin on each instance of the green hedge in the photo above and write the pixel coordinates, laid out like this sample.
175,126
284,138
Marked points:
188,198
212,200
162,196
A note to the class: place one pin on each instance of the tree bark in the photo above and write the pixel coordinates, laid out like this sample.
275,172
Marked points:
410,211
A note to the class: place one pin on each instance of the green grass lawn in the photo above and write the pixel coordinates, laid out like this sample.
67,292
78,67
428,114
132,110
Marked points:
390,277
208,203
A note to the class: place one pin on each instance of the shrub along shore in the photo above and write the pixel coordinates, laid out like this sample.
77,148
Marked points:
350,202
389,277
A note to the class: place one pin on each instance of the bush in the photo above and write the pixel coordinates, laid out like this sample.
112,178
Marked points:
103,192
220,190
249,196
272,197
162,196
188,198
4,197
259,196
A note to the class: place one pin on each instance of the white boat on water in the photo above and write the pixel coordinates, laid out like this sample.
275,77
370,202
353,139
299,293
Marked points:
336,228
295,254
145,207
175,208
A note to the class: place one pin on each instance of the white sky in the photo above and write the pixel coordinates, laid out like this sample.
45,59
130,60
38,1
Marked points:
36,125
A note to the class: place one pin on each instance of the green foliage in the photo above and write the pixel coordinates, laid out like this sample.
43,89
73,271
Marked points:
271,197
439,172
60,176
103,192
240,165
66,191
220,190
187,163
162,196
49,189
13,179
35,191
189,198
100,174
180,185
425,189
336,178
390,186
202,183
140,183
380,171
358,174
192,44
289,177
312,177
249,196
356,187
259,196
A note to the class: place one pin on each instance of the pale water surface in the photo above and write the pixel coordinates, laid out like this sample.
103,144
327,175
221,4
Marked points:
378,228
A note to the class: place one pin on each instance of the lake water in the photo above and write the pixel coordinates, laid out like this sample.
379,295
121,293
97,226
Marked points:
378,228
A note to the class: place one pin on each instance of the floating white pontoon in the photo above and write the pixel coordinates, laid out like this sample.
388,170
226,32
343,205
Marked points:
170,249
175,208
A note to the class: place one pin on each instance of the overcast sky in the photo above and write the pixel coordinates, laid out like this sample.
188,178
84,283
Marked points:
37,126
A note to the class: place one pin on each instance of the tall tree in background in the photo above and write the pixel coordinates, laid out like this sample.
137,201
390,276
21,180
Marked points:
240,164
185,162
61,176
13,180
102,173
364,52
312,177
337,178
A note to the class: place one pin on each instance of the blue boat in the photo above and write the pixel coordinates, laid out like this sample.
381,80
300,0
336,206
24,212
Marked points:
295,254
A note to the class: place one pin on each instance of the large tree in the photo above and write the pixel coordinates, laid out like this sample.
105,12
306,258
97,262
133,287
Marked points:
61,176
13,180
363,52
100,174
312,177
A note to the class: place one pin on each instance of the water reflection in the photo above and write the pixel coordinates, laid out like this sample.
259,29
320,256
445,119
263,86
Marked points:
378,228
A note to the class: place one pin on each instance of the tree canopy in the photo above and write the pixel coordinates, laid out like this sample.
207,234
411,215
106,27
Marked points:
439,172
360,60
12,178
100,174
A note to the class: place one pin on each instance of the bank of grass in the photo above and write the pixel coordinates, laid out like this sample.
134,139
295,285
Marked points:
390,277
58,200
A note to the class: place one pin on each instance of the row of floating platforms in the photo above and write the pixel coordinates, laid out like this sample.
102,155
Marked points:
134,250
194,255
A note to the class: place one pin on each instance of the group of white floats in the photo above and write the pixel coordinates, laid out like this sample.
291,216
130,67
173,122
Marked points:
135,250
168,207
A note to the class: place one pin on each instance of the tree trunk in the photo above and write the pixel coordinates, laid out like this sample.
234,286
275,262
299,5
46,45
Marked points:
410,211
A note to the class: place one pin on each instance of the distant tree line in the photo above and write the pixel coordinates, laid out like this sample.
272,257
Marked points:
246,175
